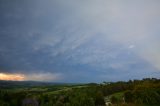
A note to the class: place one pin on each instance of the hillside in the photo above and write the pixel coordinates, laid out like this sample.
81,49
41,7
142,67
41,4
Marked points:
144,92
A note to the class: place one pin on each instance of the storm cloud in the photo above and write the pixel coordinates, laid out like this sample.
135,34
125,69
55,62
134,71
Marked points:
80,41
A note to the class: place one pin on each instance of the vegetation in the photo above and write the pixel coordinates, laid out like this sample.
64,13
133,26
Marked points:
144,92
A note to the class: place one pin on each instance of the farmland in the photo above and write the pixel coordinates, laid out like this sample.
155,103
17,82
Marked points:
144,92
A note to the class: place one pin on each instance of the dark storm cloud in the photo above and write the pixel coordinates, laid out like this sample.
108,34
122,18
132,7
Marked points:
76,40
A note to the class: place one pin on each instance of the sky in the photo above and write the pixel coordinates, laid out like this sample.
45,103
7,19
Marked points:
79,40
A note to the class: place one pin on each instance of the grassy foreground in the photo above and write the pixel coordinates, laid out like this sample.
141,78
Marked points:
144,92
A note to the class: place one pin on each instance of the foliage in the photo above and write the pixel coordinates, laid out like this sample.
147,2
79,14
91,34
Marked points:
142,92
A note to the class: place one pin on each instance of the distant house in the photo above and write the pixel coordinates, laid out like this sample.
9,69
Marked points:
30,102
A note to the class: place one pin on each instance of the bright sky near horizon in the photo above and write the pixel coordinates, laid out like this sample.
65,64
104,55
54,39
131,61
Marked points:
79,40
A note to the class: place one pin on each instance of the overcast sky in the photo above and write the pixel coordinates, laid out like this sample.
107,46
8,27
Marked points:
80,40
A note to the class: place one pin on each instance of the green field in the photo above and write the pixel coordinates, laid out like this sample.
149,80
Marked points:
144,92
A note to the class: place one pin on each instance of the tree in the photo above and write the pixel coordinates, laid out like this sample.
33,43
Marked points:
128,97
114,100
99,100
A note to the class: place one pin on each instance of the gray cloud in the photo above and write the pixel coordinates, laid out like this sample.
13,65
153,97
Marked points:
103,36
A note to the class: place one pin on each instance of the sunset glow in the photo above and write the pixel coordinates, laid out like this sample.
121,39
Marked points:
15,77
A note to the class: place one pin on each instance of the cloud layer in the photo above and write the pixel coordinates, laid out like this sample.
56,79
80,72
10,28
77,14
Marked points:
74,40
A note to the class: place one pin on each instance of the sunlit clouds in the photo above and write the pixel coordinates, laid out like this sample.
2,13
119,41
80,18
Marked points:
45,76
31,77
15,77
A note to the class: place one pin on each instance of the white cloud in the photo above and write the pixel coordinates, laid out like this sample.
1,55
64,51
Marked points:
131,46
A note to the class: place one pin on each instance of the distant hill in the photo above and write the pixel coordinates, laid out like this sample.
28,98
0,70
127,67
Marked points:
12,84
